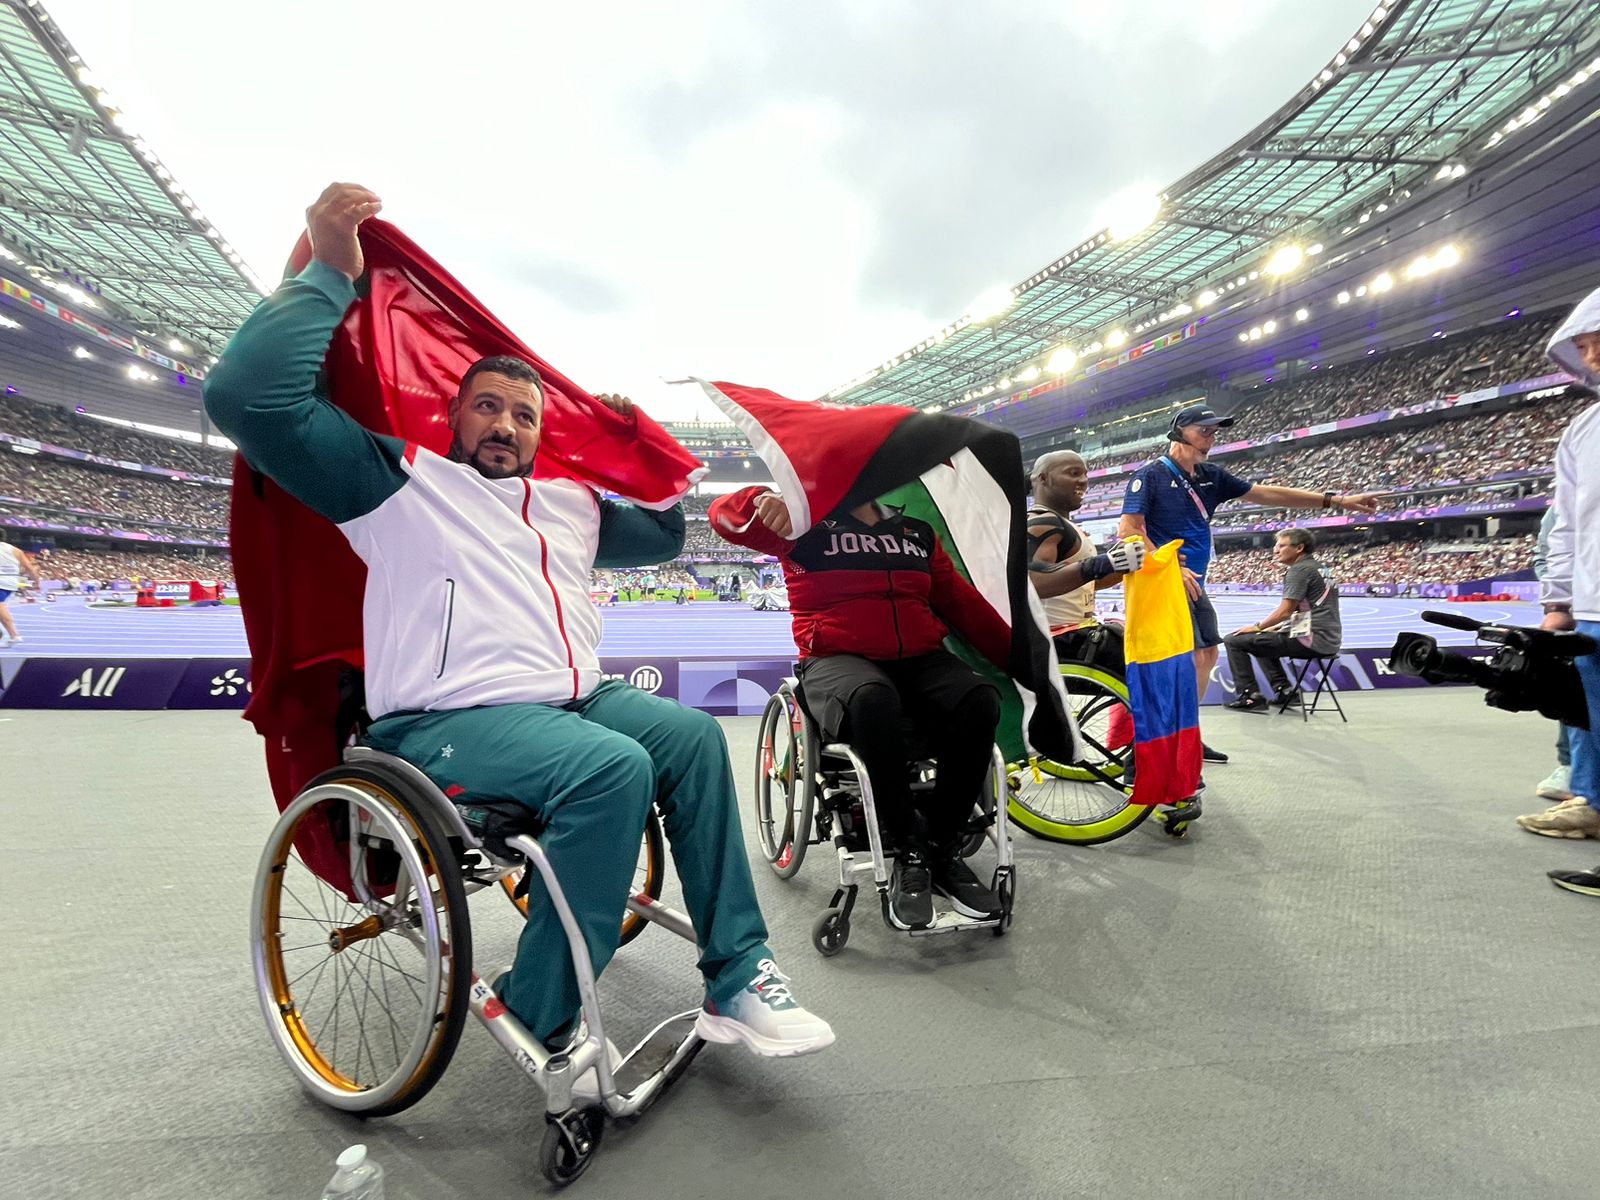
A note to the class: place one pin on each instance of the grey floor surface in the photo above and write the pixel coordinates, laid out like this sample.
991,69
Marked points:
1352,980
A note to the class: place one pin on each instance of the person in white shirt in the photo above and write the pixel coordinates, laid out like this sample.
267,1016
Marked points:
1570,591
13,562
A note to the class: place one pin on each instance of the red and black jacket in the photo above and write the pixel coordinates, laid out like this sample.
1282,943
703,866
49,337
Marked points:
883,591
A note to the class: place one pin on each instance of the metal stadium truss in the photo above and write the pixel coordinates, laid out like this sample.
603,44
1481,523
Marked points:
1416,96
88,210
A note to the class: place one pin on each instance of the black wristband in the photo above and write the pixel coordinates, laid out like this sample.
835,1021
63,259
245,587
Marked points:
1327,499
1097,567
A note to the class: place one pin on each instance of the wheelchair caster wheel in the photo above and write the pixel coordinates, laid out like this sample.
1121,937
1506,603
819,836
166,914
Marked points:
570,1144
829,932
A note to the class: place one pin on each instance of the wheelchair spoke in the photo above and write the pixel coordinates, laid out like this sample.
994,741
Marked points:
395,964
319,968
388,1010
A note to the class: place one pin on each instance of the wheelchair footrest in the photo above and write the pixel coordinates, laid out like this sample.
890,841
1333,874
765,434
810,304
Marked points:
651,1056
950,921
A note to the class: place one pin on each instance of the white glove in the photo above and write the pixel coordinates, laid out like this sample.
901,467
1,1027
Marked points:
1126,557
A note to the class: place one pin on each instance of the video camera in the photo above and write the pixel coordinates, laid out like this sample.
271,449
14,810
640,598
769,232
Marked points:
1531,671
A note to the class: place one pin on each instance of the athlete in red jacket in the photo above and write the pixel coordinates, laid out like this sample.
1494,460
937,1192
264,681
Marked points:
873,595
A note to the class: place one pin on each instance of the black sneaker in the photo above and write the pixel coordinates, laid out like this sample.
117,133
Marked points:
910,891
1585,883
1249,702
1286,698
1210,755
968,895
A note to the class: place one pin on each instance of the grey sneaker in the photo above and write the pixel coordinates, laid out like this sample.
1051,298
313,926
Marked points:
1556,786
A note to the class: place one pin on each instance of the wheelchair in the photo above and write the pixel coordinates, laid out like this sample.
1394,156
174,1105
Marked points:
1087,803
811,793
364,968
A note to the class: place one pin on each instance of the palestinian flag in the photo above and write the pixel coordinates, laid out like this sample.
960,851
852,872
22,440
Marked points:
964,479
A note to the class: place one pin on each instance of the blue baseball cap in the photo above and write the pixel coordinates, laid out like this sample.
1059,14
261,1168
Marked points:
1199,414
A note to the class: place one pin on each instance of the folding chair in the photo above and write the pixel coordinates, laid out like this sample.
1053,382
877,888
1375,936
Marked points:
1324,686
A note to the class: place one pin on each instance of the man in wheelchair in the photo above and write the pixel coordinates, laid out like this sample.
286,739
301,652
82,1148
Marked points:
1066,569
480,644
871,592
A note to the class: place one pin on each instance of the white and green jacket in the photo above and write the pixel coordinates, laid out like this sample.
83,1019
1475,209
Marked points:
477,589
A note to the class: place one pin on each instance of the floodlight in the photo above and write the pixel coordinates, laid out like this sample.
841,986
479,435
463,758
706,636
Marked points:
1116,338
1129,212
1061,361
1286,259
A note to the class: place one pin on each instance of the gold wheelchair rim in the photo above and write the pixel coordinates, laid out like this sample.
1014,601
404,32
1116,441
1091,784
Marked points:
289,1014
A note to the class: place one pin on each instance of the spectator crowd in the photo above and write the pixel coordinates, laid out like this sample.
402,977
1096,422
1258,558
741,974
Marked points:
1433,465
1356,559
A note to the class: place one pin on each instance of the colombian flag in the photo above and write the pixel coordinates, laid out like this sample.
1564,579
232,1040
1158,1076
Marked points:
1161,684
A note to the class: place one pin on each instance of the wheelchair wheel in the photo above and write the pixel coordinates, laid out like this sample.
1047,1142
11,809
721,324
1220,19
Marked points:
1081,803
570,1144
364,993
785,783
647,877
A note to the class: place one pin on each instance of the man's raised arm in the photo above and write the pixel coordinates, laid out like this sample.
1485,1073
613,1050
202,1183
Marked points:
262,392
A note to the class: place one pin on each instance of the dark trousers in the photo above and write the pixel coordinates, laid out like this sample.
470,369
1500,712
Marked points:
955,710
1095,645
1271,649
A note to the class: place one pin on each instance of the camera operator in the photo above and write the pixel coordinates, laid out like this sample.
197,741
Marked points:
1571,589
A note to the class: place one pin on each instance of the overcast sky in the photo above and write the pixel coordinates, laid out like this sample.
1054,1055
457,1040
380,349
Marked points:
780,195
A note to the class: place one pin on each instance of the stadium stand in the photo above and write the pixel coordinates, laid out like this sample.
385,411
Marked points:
1457,457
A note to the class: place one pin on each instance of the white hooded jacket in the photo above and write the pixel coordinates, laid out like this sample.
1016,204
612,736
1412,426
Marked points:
1572,566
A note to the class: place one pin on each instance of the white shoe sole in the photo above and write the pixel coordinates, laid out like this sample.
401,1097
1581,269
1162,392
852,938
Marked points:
1580,888
1573,834
725,1031
977,914
1550,793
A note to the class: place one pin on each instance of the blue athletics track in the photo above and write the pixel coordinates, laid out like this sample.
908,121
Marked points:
725,658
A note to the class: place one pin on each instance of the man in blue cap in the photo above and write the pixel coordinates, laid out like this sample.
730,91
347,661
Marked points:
1176,495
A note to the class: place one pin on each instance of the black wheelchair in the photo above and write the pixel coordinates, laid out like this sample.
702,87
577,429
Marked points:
810,792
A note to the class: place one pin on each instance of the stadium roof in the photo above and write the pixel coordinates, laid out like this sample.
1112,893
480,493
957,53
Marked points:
1413,99
88,209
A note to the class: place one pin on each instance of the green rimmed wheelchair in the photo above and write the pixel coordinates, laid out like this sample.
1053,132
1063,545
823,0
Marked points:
1083,803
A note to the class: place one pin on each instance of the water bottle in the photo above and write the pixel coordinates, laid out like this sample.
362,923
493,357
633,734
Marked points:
358,1177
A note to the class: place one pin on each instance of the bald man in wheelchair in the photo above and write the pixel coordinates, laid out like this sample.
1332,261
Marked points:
481,646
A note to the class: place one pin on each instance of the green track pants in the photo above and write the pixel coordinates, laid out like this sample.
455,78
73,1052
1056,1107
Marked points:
591,770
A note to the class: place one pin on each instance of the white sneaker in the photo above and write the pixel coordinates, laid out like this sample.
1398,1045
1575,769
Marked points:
1557,785
765,1018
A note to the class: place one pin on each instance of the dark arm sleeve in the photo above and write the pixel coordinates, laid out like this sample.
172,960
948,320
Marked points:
631,536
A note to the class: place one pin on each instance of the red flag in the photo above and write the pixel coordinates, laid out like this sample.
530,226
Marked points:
394,364
816,452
